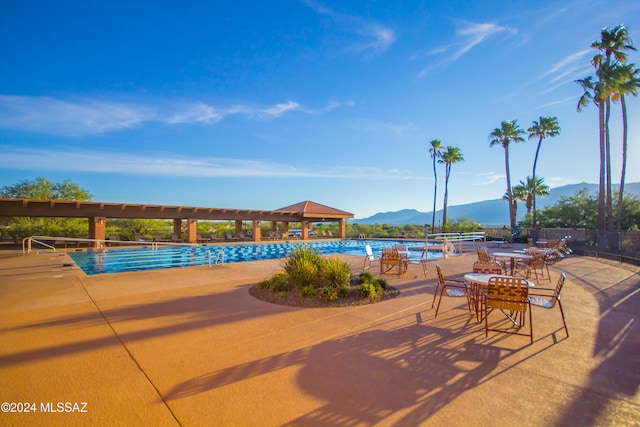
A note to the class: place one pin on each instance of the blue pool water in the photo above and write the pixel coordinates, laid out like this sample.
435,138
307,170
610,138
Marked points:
139,259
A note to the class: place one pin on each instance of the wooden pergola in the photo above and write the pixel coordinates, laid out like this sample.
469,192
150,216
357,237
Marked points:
97,213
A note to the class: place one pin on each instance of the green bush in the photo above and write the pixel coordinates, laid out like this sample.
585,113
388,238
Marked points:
335,272
302,267
308,291
368,290
277,283
328,294
365,277
380,283
344,292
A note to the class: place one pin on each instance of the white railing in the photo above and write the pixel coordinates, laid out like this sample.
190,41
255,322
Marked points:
218,260
449,239
96,243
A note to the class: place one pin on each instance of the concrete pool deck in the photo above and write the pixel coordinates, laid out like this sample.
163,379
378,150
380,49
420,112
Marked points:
191,347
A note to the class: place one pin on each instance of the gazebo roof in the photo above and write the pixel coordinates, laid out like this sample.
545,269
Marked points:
312,210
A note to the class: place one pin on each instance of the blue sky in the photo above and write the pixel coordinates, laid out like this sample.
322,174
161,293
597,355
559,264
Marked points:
259,105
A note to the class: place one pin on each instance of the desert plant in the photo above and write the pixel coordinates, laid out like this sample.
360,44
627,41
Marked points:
308,291
365,277
328,294
344,292
368,290
277,283
380,284
302,267
335,272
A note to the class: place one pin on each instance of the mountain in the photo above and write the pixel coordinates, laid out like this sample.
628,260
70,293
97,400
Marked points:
488,212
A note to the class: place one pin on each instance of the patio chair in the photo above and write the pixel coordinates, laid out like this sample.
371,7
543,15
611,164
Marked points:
477,293
369,257
391,259
550,300
510,295
422,261
484,257
538,263
453,288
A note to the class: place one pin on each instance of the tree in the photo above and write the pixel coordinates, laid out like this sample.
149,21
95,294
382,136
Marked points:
436,153
613,46
508,132
546,127
575,211
526,192
593,91
43,189
626,82
579,211
449,157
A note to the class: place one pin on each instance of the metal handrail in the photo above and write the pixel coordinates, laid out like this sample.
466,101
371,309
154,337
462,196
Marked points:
39,239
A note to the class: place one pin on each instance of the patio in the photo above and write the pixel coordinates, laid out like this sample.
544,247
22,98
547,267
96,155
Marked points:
190,346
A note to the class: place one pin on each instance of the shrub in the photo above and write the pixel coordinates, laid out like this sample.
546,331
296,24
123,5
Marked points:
365,277
380,283
335,272
308,291
344,292
302,267
277,283
368,290
328,294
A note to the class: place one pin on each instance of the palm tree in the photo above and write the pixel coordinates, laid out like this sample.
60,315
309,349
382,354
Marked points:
546,127
508,132
436,153
525,191
613,43
450,156
593,91
627,82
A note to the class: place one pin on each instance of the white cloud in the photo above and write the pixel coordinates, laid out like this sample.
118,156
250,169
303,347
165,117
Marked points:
489,178
88,116
196,113
48,115
470,34
566,66
377,38
171,164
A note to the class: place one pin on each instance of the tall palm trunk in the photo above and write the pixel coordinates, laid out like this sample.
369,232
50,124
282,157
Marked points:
602,220
609,201
512,221
435,192
446,194
623,104
533,204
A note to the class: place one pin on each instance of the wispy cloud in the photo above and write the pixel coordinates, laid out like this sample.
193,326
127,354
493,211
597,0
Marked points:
375,38
172,164
567,66
564,71
469,35
375,126
488,178
48,115
88,116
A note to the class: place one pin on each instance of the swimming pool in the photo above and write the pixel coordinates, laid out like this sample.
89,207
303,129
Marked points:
140,259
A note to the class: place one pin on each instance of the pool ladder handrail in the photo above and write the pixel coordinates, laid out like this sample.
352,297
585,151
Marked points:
219,257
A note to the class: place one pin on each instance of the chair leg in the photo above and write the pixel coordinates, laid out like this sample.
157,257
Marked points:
563,320
437,307
530,323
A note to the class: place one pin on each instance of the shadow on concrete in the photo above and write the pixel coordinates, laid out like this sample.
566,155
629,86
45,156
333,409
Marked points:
618,343
183,314
367,376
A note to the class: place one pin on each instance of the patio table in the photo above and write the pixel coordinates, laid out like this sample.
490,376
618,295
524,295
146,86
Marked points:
480,281
513,256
